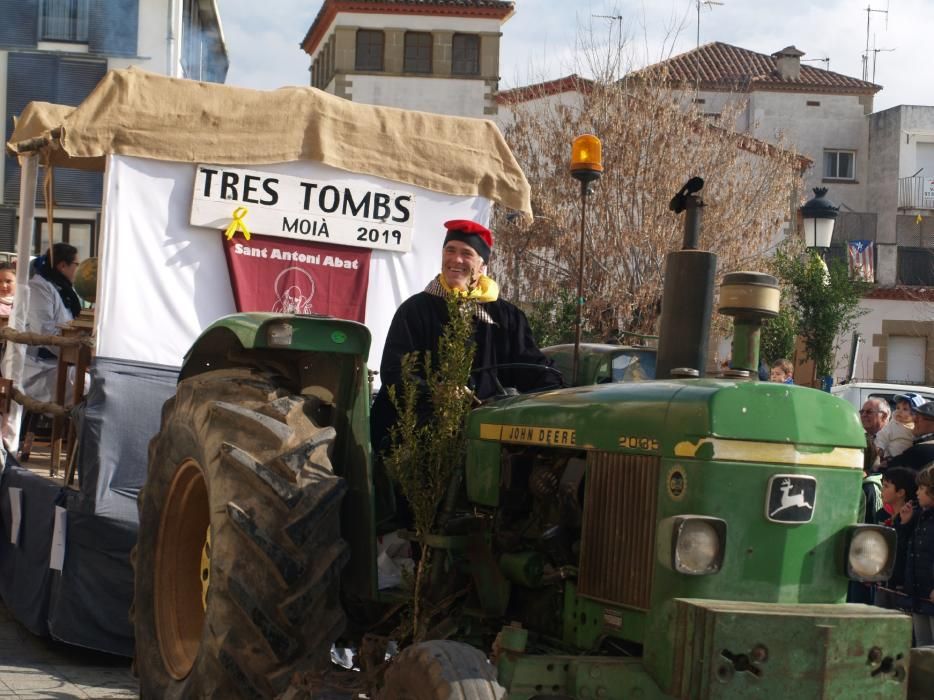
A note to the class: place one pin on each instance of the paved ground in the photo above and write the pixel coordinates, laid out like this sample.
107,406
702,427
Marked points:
35,668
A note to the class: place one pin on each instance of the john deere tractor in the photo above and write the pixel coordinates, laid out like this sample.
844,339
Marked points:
685,537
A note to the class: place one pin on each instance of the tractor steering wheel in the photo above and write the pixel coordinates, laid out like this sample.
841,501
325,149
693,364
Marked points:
505,392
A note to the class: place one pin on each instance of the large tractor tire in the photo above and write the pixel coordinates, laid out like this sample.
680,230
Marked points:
239,553
441,670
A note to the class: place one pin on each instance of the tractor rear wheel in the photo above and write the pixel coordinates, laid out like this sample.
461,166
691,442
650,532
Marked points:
441,670
239,553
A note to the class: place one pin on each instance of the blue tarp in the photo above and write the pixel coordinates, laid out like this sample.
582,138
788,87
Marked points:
87,603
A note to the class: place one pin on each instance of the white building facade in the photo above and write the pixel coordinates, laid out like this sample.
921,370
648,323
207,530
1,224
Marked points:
440,57
57,51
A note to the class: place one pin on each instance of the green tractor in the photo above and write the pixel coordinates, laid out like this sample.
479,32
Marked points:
684,537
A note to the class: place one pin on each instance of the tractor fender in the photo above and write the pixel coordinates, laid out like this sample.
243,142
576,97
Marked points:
247,332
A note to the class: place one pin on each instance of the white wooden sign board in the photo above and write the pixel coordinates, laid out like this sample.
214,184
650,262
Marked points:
327,211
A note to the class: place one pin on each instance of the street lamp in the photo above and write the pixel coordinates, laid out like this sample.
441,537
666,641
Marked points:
587,167
818,216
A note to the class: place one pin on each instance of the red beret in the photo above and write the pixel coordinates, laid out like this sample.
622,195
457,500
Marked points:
477,236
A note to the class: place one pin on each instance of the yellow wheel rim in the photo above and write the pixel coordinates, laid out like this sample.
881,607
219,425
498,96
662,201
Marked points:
179,591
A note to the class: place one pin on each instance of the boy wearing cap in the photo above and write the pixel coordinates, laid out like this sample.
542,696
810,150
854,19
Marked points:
921,451
502,334
897,436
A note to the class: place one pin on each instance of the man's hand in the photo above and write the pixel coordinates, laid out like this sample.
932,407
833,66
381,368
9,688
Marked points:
473,397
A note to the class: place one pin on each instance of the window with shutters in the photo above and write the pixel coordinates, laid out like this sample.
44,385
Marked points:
465,59
915,266
113,27
19,23
369,54
63,20
7,229
66,80
417,52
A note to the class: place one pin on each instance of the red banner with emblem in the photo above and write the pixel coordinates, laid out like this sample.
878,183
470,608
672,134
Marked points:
298,277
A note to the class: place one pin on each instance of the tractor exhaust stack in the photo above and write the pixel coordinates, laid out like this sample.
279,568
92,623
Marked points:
687,300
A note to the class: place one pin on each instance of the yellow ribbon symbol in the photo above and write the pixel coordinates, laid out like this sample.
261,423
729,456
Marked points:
237,224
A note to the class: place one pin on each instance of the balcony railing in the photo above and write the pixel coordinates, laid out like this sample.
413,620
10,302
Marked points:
916,192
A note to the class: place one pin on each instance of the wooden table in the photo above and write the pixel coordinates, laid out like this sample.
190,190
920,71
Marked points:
79,357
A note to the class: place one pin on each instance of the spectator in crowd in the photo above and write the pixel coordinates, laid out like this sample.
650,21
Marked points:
874,415
898,488
921,451
765,373
896,436
919,564
52,302
7,288
782,372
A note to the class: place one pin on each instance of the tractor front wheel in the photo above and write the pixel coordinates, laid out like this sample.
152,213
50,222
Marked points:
239,553
441,670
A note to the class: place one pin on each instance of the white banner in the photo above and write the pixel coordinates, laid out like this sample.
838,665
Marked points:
320,210
162,281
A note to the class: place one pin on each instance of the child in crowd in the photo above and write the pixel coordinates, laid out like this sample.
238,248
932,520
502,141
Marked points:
919,564
897,435
7,287
782,372
898,488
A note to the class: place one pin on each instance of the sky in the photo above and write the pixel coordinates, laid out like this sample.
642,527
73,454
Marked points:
541,40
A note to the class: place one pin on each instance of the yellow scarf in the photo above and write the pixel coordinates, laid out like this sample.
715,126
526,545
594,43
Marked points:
485,289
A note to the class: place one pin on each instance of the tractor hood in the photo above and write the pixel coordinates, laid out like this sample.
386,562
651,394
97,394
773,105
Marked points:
700,418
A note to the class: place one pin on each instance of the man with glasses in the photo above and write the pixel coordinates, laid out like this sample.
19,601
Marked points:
921,453
874,415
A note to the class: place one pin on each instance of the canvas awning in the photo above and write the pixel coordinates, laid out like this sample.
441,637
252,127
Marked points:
136,113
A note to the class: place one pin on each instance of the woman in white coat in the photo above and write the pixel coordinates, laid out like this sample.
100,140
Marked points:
52,301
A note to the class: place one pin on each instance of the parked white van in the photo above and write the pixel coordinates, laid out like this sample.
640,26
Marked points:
857,392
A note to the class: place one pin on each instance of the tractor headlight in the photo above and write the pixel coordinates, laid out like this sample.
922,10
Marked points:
870,553
697,544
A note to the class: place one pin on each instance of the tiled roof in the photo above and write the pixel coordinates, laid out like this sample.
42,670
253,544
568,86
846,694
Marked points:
574,83
524,93
459,8
727,67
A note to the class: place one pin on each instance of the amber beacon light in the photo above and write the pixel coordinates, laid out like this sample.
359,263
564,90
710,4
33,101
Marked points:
586,167
586,158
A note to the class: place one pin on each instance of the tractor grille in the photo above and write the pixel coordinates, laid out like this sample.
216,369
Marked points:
618,548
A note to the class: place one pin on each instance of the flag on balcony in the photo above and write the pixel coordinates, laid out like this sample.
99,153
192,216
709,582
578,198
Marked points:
860,256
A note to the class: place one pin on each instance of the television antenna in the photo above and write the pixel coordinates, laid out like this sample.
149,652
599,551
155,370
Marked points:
875,55
825,61
619,43
869,11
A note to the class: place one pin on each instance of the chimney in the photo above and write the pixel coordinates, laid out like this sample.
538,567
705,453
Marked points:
788,63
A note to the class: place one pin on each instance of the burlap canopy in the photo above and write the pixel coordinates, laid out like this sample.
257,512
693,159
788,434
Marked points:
132,112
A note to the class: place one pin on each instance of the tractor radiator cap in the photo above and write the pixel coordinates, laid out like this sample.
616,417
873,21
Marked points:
736,373
685,373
